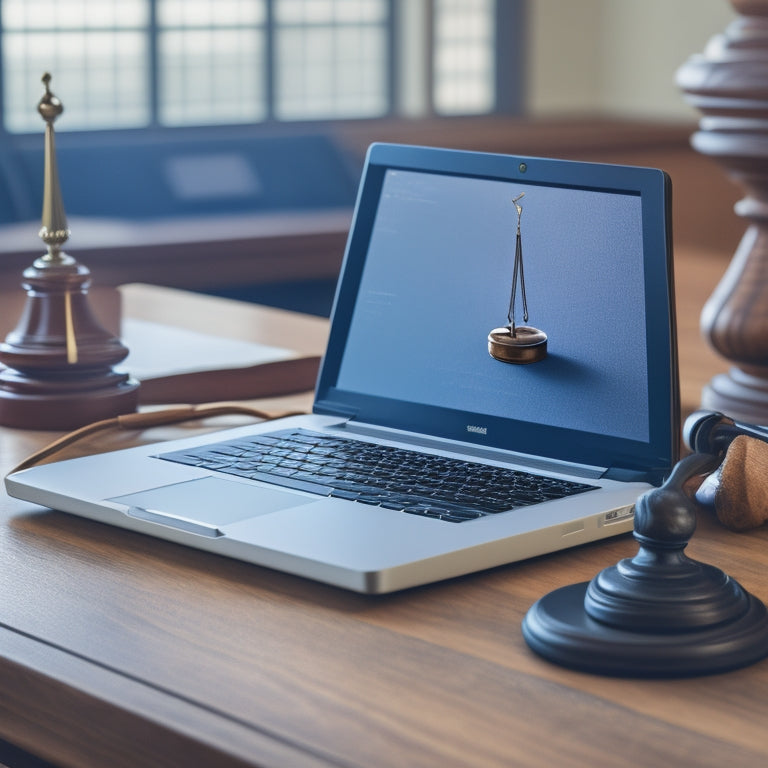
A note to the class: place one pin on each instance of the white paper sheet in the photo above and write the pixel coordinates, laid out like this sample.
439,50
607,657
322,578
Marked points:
163,350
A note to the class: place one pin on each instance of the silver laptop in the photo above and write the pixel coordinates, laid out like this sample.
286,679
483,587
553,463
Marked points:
500,382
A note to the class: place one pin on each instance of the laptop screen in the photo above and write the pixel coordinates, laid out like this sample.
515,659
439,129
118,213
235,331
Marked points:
435,263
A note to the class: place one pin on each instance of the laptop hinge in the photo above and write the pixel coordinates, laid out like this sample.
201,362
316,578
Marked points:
654,476
412,440
329,408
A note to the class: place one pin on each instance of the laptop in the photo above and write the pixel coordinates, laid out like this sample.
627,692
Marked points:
428,454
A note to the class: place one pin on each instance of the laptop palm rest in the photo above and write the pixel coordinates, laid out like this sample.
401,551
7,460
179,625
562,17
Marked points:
202,506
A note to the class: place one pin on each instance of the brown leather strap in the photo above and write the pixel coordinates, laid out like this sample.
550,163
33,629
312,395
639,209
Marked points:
145,420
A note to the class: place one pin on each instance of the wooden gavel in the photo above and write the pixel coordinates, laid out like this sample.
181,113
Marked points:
737,490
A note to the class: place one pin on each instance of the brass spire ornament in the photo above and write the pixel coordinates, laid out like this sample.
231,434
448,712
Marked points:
517,343
59,359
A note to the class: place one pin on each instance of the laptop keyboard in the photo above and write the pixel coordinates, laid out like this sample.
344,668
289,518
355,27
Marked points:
437,487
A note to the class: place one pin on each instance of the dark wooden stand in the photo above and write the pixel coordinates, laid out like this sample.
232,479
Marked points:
59,359
728,83
660,613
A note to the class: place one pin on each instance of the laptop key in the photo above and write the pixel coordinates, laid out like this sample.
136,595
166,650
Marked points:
183,458
337,493
292,482
389,504
422,512
457,515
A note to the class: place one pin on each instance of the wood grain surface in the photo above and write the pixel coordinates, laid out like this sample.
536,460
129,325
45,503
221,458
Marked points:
121,650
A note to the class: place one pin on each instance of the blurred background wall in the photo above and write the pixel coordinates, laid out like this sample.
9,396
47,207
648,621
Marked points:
615,57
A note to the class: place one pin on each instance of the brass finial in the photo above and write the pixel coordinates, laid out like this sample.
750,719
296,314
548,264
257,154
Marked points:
49,106
54,231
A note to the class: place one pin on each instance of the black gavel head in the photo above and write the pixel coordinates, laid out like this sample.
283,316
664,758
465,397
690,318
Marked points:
703,432
712,432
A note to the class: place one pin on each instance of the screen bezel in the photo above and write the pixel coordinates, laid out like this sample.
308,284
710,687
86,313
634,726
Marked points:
650,459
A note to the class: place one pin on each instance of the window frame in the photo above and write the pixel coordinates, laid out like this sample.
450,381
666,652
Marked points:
509,80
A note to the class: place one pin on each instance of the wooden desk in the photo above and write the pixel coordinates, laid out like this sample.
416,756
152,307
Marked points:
120,650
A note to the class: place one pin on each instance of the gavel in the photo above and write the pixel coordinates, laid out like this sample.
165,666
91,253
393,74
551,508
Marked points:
737,490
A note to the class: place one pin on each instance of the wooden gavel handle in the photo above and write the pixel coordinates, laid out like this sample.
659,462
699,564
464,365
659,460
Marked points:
741,496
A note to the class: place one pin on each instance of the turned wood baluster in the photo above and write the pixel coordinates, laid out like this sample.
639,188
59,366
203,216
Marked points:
728,84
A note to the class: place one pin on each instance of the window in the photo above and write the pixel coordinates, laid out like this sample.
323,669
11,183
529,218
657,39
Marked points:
97,50
463,56
209,61
171,63
331,58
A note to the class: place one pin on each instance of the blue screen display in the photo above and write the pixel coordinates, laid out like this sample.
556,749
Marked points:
437,279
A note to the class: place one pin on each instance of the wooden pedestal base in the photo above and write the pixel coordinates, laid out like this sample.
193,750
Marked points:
740,394
27,403
59,359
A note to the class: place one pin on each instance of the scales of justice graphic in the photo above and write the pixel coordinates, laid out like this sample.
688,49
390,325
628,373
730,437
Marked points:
513,343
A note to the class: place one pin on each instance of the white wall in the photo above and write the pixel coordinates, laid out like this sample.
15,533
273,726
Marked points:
616,57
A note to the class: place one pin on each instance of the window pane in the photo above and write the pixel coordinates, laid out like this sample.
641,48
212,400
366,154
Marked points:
464,56
211,76
332,59
209,13
73,14
211,56
96,51
100,77
330,11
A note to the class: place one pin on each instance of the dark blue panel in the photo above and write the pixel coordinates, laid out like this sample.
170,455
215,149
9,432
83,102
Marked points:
17,196
152,177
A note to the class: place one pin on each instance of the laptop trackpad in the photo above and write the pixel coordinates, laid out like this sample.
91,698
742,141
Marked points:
202,506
